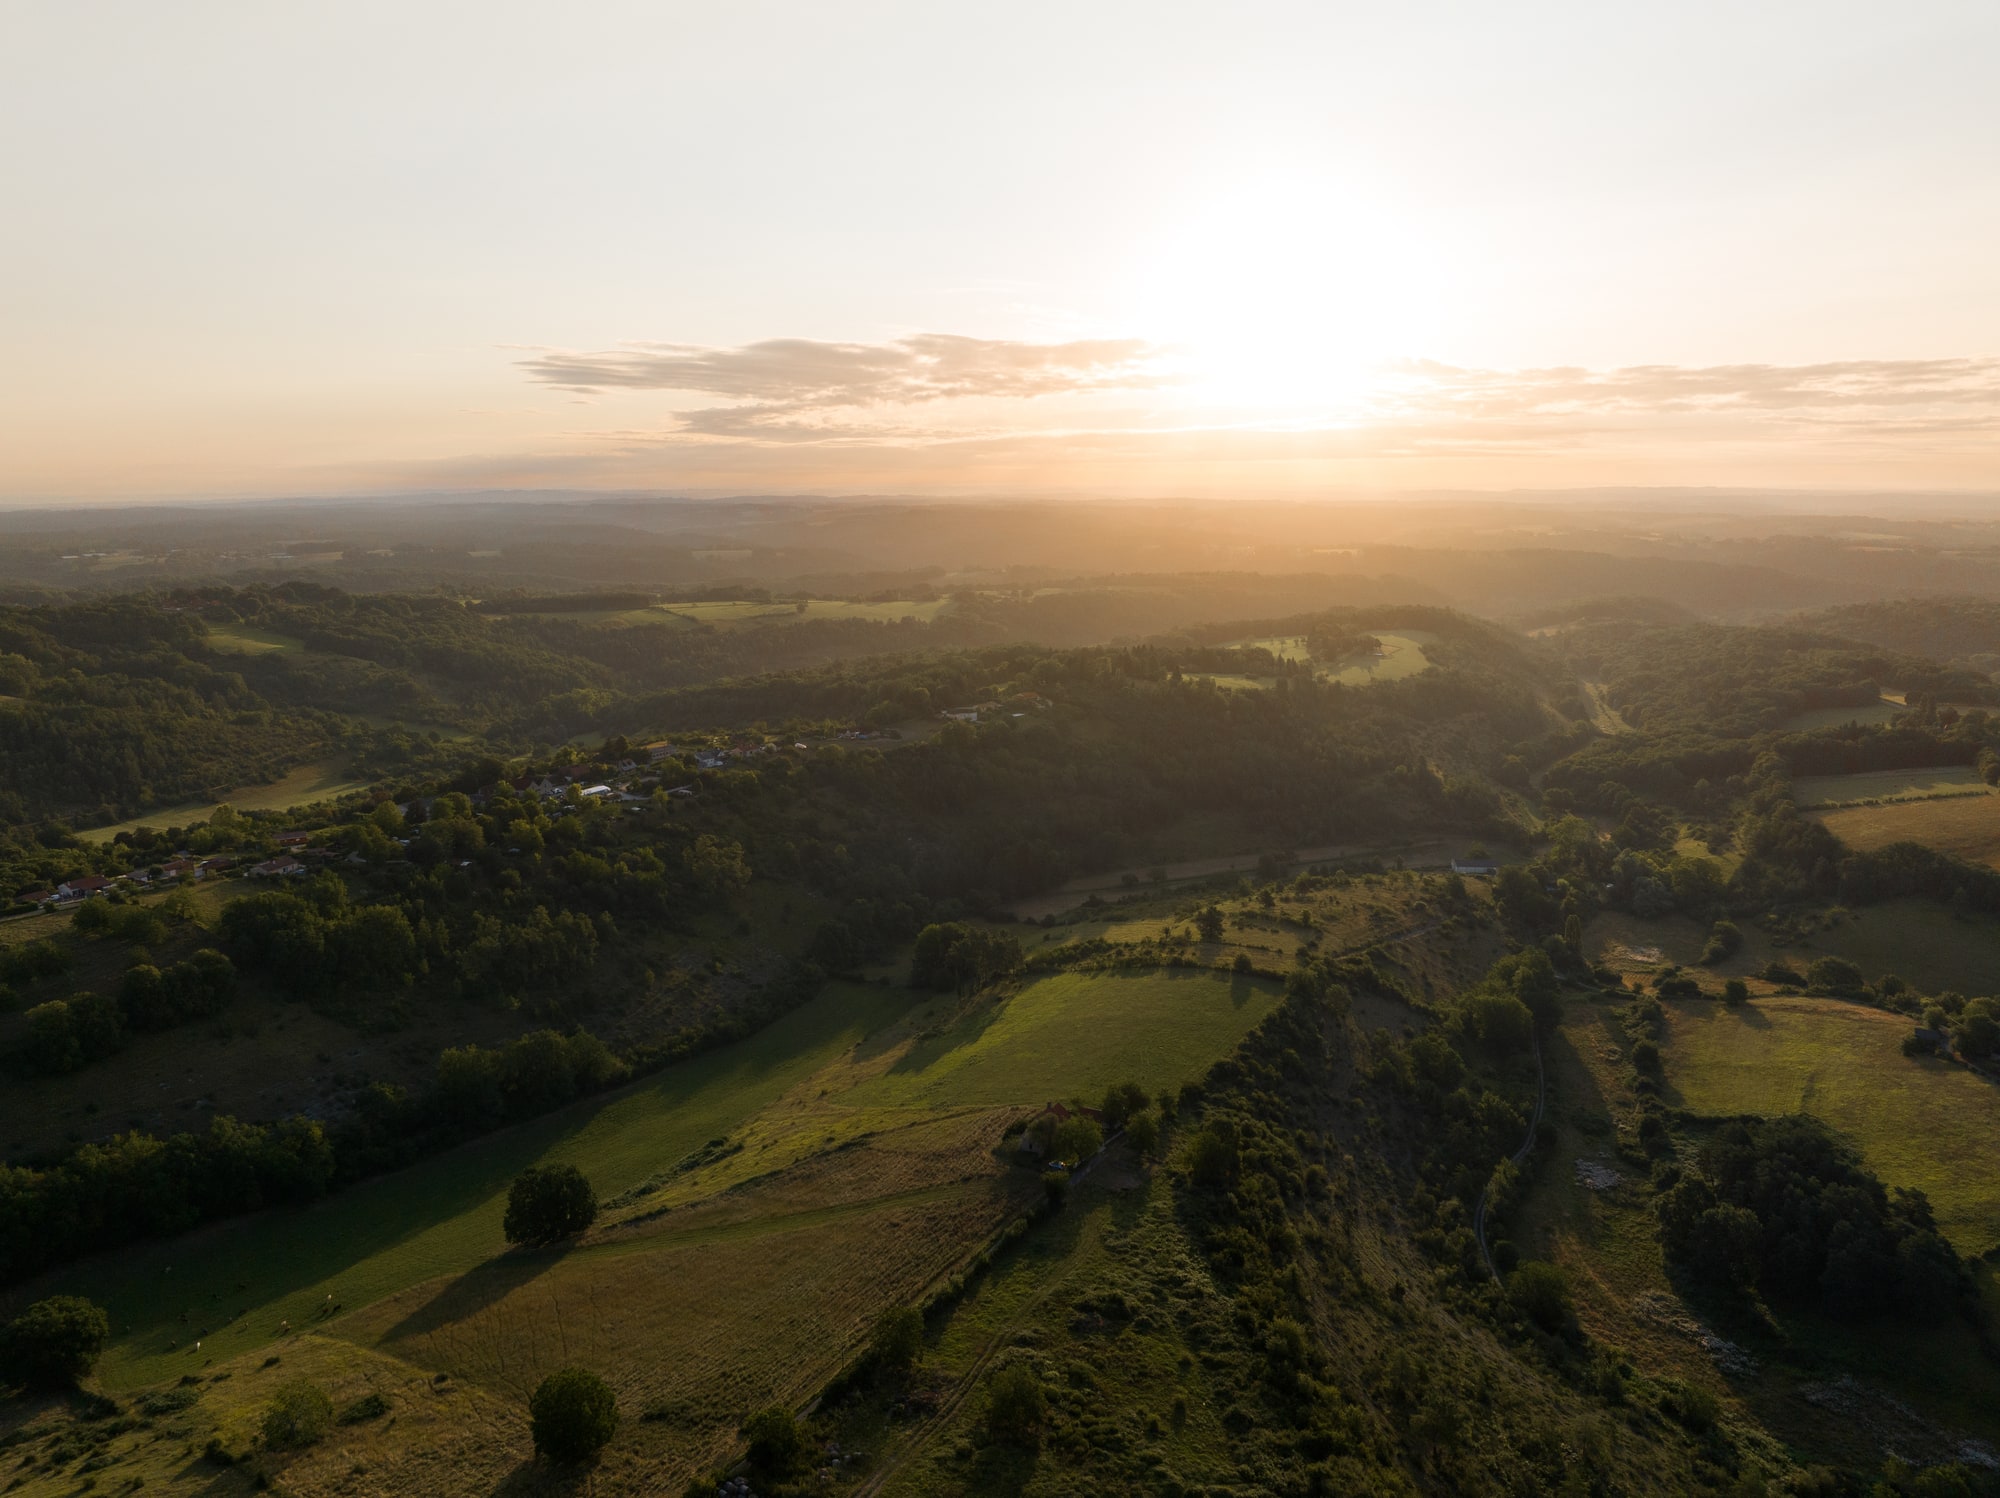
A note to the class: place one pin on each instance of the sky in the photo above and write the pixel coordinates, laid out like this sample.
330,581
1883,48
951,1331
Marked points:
1144,249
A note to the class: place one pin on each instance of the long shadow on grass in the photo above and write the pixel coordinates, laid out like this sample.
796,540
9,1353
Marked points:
475,1290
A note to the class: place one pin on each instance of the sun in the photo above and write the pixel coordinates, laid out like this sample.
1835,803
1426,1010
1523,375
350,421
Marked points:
1285,295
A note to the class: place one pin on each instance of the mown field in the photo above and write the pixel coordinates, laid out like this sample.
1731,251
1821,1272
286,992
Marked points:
320,780
1918,1122
1966,827
1888,785
763,1204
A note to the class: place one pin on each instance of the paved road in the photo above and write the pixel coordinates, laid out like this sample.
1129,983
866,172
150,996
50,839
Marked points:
1534,1127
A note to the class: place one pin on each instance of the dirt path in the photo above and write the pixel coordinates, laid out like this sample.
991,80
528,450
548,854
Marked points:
1534,1127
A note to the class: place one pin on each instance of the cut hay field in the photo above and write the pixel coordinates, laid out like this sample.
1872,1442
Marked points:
1888,785
1918,1122
1966,827
320,780
763,1204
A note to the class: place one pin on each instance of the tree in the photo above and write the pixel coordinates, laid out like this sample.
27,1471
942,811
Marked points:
898,1340
1120,1103
55,1342
573,1416
777,1449
1015,1406
1075,1140
1142,1132
1209,924
299,1415
548,1203
1735,991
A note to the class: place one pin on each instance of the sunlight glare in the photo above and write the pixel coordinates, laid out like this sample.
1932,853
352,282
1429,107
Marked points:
1284,296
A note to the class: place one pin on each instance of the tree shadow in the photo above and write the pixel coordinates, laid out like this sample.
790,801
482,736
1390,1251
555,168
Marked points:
538,1479
473,1291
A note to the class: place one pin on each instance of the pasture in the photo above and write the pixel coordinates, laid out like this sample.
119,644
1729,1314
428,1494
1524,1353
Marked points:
1888,785
1966,826
1918,1122
318,780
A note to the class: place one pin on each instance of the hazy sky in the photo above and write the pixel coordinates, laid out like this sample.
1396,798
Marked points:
1147,248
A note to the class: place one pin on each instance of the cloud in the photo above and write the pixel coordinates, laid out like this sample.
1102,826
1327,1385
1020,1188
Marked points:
795,389
1859,392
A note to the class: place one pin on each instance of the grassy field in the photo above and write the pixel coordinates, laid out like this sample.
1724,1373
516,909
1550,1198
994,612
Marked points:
1284,647
1078,1033
1608,1241
1919,941
762,1204
1402,655
1881,710
1918,1122
321,780
1888,785
1966,827
740,611
247,639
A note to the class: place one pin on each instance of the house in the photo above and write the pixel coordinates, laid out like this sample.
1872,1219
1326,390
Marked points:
217,865
181,868
294,839
657,752
1481,868
36,897
276,868
139,877
82,889
594,792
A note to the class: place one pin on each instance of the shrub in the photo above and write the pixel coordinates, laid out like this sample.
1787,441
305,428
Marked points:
548,1203
299,1415
1540,1291
55,1342
1735,992
1646,1058
573,1415
777,1448
1834,975
1725,939
1015,1406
